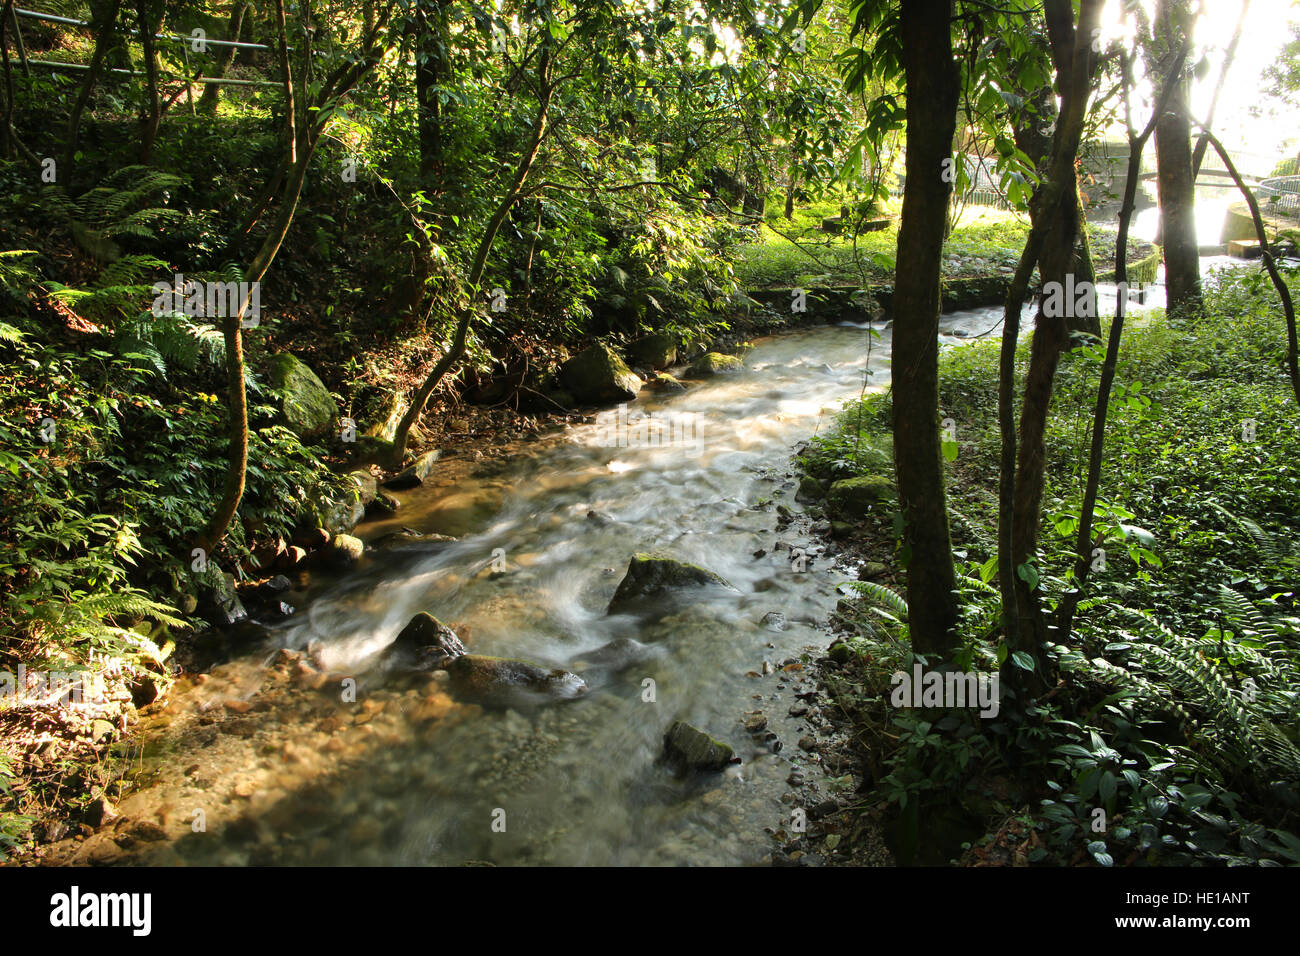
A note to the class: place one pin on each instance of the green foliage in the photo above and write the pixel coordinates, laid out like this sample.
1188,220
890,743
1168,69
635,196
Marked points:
1178,717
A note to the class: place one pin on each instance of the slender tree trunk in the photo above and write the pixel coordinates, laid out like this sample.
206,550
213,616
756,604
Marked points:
237,453
1056,263
431,70
1137,142
1021,478
225,59
789,192
10,144
1284,293
149,19
1229,55
933,85
105,18
1176,185
468,310
303,129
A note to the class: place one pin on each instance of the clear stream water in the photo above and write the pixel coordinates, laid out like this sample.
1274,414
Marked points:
407,775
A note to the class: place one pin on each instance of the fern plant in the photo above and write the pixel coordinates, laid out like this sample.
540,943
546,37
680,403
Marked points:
125,203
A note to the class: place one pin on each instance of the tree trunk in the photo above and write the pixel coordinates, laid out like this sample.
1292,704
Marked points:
431,70
933,83
1176,186
105,21
468,310
1137,142
1023,456
1270,265
149,17
225,59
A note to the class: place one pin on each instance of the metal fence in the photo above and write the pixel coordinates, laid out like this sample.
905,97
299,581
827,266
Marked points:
1279,196
197,43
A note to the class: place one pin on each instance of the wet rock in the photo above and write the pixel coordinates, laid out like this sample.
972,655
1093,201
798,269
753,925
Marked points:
872,570
823,809
714,363
657,351
598,376
145,689
425,642
306,403
384,506
690,748
857,497
367,486
416,473
616,655
343,551
599,518
274,587
775,621
310,538
810,489
408,537
291,558
100,812
216,600
840,653
756,724
663,382
508,681
654,575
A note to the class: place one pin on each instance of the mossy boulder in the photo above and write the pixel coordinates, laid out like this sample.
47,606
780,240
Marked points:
690,748
655,351
598,376
507,681
714,363
343,552
663,382
306,403
810,489
655,576
856,497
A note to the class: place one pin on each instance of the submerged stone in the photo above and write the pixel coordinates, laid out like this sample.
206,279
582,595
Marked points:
689,748
509,681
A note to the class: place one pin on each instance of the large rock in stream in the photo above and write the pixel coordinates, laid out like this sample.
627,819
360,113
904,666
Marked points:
511,682
714,363
425,643
689,748
655,578
598,376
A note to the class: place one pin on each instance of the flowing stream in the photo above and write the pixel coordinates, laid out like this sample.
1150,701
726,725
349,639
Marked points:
262,762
